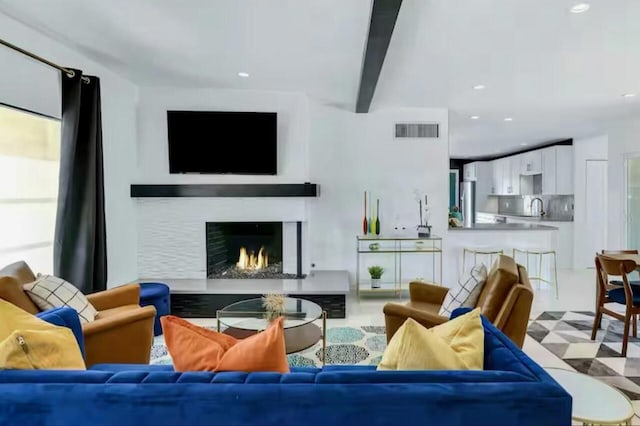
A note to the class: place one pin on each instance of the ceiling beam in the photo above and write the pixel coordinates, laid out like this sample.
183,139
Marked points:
383,19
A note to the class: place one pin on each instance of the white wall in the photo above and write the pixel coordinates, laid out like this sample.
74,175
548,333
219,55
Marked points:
171,232
293,131
345,153
624,139
350,153
28,84
593,148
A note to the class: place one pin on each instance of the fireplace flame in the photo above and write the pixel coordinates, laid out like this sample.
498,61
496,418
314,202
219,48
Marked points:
248,260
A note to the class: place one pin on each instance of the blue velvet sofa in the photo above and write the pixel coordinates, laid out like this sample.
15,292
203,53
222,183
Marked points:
512,390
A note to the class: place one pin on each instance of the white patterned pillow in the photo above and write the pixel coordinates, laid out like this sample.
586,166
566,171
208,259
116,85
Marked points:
50,292
466,293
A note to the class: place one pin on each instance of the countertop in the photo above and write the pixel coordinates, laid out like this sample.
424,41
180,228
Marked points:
505,227
530,218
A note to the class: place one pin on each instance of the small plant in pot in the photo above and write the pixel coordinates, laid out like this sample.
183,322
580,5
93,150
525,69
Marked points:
376,273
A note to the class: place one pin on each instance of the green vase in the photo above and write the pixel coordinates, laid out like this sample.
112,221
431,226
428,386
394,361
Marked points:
378,218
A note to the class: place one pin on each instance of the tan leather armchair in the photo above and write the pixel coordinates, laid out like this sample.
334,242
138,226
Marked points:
122,331
505,300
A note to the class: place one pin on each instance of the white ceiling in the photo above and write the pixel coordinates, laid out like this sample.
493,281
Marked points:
314,46
557,74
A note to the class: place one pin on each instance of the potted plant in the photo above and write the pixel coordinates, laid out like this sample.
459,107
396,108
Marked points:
376,273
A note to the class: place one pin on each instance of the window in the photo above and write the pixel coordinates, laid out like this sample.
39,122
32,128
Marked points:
29,168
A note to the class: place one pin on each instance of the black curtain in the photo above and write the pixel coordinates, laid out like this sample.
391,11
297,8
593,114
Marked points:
80,247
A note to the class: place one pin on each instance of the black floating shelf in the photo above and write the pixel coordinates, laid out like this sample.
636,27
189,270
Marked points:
224,190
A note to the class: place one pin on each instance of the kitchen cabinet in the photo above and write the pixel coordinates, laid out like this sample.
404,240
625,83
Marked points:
554,163
515,175
549,170
470,172
531,163
564,170
500,184
496,177
557,170
506,176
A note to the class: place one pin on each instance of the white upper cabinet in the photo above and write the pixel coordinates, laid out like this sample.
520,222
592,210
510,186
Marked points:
531,163
515,175
549,170
506,176
497,174
557,170
564,169
470,172
554,163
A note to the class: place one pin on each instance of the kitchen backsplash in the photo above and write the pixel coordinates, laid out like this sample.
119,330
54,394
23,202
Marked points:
558,207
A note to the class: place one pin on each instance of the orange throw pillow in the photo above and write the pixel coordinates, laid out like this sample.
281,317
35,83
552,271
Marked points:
195,348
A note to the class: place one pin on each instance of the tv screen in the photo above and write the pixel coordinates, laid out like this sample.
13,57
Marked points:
241,143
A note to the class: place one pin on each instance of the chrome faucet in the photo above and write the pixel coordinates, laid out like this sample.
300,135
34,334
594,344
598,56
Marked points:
542,212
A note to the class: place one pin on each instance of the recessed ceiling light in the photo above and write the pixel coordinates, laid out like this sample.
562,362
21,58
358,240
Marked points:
508,119
243,74
479,87
524,144
474,117
629,95
580,7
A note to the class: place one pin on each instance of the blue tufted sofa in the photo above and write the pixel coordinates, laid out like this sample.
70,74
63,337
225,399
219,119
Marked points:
512,390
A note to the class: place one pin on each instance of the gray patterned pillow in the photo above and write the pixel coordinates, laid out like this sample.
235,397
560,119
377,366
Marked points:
50,292
466,293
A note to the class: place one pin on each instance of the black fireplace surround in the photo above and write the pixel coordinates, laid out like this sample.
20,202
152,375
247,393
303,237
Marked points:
225,240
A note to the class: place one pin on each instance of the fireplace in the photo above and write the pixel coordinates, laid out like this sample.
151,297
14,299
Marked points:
245,250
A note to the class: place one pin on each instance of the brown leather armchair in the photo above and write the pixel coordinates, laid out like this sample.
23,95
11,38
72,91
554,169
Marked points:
122,332
505,300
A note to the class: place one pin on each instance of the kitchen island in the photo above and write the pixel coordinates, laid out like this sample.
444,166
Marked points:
564,223
497,236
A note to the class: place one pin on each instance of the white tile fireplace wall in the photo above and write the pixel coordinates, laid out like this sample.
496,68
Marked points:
172,238
171,231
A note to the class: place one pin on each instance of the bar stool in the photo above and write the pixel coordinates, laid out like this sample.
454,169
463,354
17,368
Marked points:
480,251
540,254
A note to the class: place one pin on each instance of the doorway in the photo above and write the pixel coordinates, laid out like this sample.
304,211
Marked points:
633,202
596,206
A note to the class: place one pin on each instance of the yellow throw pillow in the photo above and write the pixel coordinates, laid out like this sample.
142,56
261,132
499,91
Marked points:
27,342
454,345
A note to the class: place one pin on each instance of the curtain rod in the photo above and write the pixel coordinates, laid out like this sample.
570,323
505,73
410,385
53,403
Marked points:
69,72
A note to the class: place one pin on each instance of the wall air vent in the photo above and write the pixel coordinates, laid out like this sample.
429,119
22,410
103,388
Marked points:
417,130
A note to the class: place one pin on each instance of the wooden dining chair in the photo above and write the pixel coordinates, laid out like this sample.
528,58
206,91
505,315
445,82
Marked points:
606,266
618,283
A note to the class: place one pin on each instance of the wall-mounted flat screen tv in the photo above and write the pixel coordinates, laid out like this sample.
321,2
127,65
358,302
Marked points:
221,142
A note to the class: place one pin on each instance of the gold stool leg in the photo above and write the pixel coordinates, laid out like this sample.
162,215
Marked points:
555,273
464,259
540,259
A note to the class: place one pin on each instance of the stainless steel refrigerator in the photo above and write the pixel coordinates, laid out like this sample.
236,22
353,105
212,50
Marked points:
468,203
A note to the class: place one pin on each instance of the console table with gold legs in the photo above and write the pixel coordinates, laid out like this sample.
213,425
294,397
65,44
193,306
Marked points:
396,247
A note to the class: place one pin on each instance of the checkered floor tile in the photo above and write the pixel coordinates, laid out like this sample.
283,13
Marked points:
568,336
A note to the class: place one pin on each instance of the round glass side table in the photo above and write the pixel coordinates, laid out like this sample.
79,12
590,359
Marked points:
248,317
594,402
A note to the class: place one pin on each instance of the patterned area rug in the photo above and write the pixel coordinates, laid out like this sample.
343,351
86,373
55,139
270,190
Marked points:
568,336
345,345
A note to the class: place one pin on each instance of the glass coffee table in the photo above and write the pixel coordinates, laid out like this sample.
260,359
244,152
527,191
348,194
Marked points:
248,317
594,401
